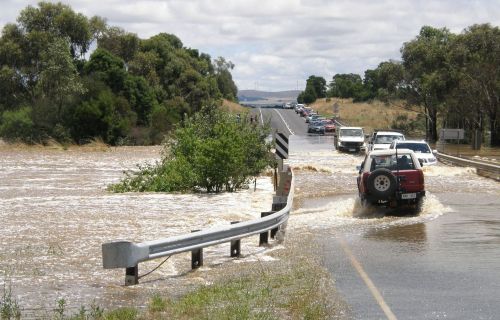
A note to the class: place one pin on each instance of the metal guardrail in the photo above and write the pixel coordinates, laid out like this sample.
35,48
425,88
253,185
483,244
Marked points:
126,254
483,169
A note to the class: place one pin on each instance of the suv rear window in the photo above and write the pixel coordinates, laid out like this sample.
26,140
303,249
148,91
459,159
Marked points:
387,139
417,147
351,132
404,162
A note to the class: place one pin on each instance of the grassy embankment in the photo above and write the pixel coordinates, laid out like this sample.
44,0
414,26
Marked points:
233,107
373,115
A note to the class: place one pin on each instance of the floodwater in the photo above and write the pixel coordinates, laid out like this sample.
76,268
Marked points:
326,191
55,214
446,257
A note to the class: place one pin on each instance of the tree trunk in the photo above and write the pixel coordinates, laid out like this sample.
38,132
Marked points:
495,132
433,125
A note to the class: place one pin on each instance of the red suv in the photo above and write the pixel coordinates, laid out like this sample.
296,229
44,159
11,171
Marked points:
391,178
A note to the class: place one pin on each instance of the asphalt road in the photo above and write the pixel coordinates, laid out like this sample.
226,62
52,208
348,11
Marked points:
442,264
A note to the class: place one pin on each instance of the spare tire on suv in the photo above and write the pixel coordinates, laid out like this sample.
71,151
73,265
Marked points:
382,183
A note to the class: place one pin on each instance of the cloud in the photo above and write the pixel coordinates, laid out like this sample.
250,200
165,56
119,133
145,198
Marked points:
277,44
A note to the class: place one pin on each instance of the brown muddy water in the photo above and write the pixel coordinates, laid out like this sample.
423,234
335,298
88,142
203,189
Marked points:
55,213
445,258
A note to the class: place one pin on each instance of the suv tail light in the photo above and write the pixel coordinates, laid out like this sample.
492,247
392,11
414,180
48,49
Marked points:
421,177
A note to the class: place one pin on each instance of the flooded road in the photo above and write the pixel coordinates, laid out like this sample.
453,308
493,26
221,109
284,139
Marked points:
55,214
440,264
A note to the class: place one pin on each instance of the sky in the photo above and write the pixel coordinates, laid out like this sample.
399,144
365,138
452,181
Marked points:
277,44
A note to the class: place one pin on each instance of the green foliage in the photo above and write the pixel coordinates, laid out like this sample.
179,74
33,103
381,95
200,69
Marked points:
211,152
121,314
225,82
17,125
119,42
384,82
409,127
345,85
315,88
126,83
60,21
428,73
9,307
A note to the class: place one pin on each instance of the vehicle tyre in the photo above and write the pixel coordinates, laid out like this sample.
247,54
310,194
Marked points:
382,183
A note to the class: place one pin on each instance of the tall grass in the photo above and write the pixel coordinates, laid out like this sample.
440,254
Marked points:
9,307
373,115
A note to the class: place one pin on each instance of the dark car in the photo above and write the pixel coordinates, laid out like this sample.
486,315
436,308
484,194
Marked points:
316,127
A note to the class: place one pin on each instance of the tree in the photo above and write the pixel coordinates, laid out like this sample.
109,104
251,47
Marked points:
225,82
475,55
107,67
345,85
119,42
59,21
58,81
384,82
428,75
17,125
315,88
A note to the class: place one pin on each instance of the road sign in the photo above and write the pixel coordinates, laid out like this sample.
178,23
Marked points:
281,145
451,134
335,108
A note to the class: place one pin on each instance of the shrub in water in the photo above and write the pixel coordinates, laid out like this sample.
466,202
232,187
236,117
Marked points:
212,151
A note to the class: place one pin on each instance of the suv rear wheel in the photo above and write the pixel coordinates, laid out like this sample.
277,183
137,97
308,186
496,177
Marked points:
381,183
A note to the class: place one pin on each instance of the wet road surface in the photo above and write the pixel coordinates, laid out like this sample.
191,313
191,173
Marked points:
441,264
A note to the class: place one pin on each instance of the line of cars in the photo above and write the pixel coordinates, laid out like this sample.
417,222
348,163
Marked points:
316,123
391,173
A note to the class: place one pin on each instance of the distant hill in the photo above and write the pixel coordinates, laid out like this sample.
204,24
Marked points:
267,97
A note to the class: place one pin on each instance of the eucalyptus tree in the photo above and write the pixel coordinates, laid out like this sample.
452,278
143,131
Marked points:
428,74
225,83
475,55
345,85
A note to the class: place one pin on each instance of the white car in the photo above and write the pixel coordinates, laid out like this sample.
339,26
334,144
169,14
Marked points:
424,153
350,139
383,140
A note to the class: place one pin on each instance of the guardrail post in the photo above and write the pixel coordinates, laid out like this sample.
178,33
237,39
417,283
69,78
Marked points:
196,256
264,237
235,245
132,275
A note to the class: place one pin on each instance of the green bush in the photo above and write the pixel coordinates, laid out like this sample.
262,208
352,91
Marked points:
211,152
17,125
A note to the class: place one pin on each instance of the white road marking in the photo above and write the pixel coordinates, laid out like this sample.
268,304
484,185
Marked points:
374,291
286,124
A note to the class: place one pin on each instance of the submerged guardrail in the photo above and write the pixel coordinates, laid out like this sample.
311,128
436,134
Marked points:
483,169
128,255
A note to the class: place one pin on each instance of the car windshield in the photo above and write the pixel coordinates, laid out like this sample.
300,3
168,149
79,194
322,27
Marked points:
416,147
351,132
404,162
387,139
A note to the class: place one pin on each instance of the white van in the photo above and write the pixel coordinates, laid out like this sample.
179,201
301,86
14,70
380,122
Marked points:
350,139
